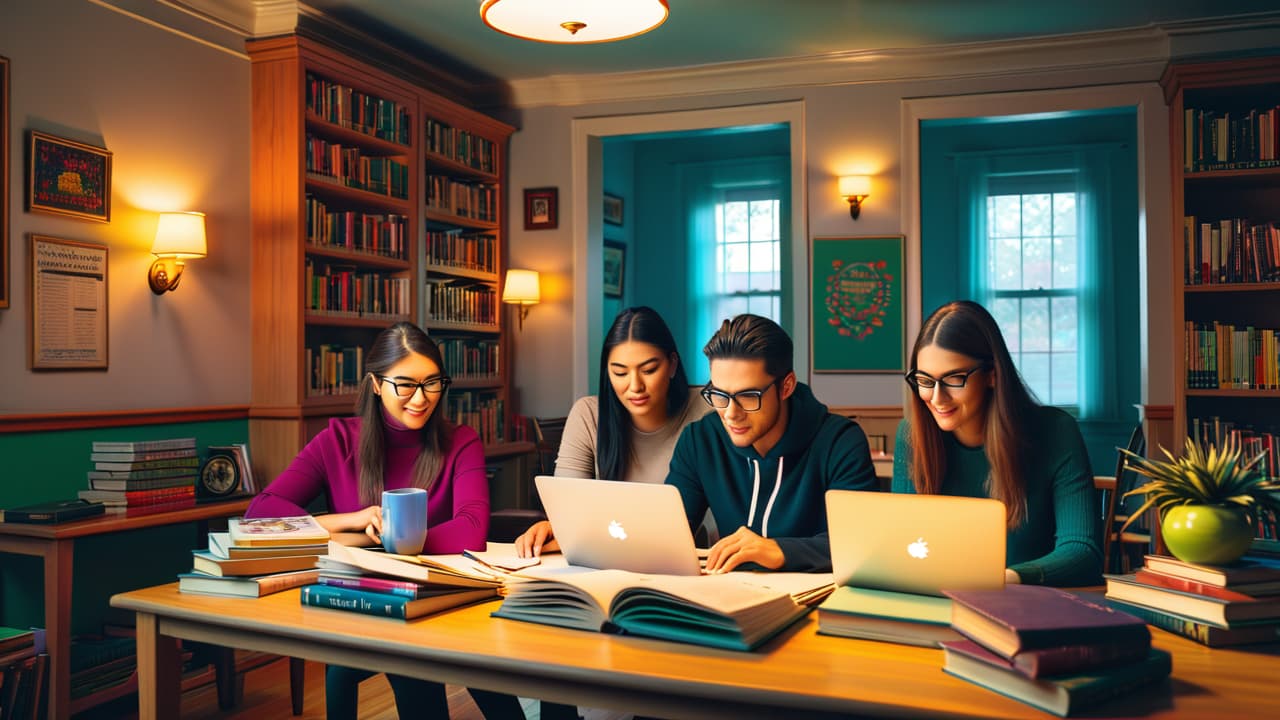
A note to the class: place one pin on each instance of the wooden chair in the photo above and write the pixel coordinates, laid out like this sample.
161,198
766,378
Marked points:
229,676
1118,547
507,524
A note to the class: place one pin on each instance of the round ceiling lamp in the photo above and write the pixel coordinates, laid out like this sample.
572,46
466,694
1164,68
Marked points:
574,21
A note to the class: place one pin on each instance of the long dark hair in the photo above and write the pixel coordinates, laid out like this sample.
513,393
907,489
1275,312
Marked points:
613,425
390,347
967,328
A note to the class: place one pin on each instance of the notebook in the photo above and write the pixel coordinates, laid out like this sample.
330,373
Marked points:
921,544
614,525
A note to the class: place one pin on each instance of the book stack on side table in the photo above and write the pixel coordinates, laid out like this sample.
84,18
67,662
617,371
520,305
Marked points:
1215,605
1050,648
257,557
143,476
397,586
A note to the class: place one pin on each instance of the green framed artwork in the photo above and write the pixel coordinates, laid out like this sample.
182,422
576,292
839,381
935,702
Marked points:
858,311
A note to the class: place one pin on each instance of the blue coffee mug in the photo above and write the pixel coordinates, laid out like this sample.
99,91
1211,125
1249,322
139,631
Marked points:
404,520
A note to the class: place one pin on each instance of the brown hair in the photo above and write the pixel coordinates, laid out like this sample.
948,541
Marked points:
752,337
967,328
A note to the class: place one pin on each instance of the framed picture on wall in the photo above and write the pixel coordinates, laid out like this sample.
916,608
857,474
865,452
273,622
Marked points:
65,177
858,310
612,209
540,211
4,182
615,262
68,292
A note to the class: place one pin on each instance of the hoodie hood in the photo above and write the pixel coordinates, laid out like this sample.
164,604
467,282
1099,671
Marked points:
805,416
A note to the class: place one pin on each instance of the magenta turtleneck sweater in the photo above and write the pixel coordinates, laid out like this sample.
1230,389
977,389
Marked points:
457,503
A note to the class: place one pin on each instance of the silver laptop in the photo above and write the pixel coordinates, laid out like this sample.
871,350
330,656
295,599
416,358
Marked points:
614,525
921,544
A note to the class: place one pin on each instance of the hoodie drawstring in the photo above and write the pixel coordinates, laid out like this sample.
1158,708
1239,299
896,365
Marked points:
755,493
777,483
755,490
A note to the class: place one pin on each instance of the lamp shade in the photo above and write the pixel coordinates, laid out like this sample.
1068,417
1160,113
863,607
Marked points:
851,185
574,21
522,288
180,235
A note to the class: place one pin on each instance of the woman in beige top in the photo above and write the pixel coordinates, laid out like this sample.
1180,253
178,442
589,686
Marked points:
629,430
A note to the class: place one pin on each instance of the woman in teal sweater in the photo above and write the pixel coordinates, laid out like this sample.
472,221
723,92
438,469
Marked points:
973,429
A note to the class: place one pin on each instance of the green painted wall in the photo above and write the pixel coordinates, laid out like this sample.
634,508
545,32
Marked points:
52,465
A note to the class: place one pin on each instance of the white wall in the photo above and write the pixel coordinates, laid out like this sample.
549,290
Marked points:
847,129
175,114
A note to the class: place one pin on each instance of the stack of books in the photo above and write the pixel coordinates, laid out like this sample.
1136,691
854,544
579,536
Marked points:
398,586
143,476
1215,605
887,616
23,665
1049,648
257,557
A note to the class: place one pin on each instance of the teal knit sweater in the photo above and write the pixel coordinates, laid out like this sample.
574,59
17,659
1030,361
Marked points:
1058,543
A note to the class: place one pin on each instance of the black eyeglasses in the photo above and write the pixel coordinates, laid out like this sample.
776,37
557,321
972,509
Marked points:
748,400
430,386
955,380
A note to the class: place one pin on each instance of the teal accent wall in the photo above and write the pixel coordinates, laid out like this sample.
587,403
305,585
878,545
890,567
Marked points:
945,266
51,465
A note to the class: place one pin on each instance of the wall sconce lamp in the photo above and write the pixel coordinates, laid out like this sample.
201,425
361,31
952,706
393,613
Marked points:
522,289
855,189
179,236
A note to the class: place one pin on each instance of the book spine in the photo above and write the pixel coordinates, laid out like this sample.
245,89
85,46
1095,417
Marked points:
1122,680
360,601
1200,632
390,587
144,445
1073,658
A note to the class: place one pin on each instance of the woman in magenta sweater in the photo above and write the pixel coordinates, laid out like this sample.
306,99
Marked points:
396,440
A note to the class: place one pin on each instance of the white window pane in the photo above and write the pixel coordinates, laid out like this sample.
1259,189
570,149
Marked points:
1037,271
1035,324
1006,263
1066,324
1008,317
1064,213
762,254
1065,262
1036,217
1005,218
1063,367
762,221
731,306
1035,372
735,282
737,257
735,222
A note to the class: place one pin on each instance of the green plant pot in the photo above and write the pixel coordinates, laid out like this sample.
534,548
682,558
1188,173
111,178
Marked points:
1207,534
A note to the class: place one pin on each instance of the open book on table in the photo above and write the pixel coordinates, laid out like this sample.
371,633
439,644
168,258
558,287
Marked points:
448,570
735,611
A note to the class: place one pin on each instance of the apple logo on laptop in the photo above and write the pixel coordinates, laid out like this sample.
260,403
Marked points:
918,549
616,530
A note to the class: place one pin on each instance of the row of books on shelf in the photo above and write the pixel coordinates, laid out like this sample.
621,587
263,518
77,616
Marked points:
1226,356
455,248
478,201
23,671
471,359
351,167
1216,431
356,110
1225,140
483,412
346,289
457,303
384,235
461,146
335,369
1228,251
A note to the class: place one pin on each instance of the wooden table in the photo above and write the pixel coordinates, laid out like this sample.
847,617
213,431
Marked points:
799,673
56,545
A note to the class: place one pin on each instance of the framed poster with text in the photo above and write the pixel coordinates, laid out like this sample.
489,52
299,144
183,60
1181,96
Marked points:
68,286
858,310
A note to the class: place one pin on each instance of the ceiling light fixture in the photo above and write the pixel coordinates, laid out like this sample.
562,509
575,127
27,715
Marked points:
574,21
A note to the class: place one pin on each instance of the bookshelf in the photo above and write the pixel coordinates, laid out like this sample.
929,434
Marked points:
1224,118
346,193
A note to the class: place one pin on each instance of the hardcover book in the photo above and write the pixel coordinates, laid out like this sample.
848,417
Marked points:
106,480
52,512
220,546
1239,591
887,616
300,530
1216,610
388,605
733,611
1061,695
369,583
254,586
205,562
133,457
188,464
448,570
1202,632
144,445
1025,617
1247,570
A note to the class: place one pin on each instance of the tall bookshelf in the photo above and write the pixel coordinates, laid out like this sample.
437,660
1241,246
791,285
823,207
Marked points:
1226,248
340,220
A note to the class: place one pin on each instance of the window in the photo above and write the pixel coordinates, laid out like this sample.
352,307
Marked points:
748,253
1033,281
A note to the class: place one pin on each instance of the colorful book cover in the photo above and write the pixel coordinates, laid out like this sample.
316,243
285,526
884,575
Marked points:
1247,570
1024,617
387,605
1200,607
1202,632
300,530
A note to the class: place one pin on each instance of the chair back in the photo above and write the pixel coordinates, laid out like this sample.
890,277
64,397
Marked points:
546,438
1124,480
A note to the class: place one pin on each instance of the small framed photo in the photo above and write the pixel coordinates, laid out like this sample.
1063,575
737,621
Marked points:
615,265
612,209
65,177
540,211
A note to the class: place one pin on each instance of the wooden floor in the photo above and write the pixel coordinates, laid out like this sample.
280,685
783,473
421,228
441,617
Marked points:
266,696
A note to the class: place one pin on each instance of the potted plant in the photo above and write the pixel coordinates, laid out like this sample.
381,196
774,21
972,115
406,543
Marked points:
1207,499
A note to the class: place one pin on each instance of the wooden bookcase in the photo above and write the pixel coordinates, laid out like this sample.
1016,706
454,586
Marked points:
1226,193
339,225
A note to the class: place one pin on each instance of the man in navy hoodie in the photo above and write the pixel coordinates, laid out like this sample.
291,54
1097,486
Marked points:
765,459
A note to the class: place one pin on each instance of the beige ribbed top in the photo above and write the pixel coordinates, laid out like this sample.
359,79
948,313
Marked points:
650,451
